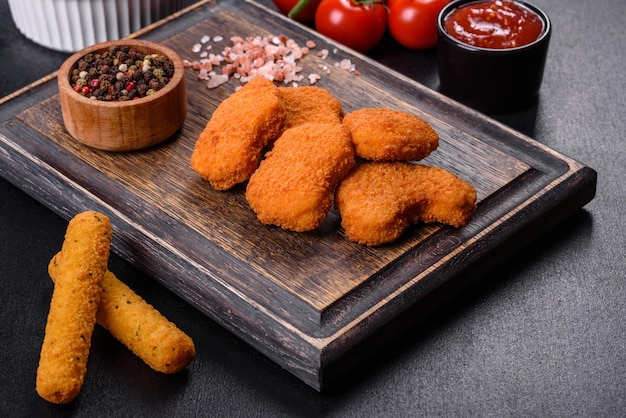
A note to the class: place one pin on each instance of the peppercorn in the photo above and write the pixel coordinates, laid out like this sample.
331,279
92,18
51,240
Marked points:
142,90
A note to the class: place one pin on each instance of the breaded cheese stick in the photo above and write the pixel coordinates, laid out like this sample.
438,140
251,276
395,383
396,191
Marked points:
230,147
72,315
377,201
381,134
137,324
294,186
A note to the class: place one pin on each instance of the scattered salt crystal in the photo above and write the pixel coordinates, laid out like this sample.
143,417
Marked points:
217,80
218,38
313,78
215,59
205,39
323,54
196,48
346,64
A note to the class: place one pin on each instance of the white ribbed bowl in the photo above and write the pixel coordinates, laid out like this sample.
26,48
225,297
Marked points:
71,25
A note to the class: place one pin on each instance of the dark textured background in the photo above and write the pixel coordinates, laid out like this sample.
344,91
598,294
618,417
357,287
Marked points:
542,335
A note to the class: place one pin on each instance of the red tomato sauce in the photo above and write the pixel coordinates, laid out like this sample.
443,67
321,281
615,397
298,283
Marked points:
493,24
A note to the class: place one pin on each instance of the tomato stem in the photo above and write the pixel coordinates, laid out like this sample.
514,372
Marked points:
366,2
293,13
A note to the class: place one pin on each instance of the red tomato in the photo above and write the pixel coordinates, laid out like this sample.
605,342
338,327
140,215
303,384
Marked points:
358,24
413,23
306,15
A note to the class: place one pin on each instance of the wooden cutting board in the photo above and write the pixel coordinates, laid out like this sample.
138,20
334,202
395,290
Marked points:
306,300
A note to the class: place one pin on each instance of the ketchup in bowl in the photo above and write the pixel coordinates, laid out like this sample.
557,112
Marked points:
491,53
494,24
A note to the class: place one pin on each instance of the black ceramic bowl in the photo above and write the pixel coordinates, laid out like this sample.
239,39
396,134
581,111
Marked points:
491,80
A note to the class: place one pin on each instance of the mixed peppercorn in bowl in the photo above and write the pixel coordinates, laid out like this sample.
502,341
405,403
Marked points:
123,95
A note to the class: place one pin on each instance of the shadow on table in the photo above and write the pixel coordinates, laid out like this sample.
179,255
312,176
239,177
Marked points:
448,302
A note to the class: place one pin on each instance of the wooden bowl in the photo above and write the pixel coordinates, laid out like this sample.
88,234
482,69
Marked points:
124,125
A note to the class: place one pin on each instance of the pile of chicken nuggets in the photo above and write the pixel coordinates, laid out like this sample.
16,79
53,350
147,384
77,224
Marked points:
300,155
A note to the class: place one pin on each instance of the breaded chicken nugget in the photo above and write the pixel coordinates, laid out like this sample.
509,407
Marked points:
293,187
230,147
309,104
377,201
137,324
72,315
390,135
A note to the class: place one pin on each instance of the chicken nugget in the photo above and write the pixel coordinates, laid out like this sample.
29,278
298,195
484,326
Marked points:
230,147
309,104
72,316
377,201
390,135
293,187
137,324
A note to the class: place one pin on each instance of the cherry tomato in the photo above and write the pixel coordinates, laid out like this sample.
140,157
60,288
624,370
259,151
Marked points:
358,24
413,23
305,15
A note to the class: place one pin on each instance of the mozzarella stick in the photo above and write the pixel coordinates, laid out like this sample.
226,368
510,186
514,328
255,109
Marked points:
72,315
137,324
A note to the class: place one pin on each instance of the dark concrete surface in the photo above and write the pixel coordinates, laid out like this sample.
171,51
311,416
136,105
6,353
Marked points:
542,335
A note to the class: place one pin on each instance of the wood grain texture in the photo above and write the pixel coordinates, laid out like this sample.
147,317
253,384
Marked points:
303,299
